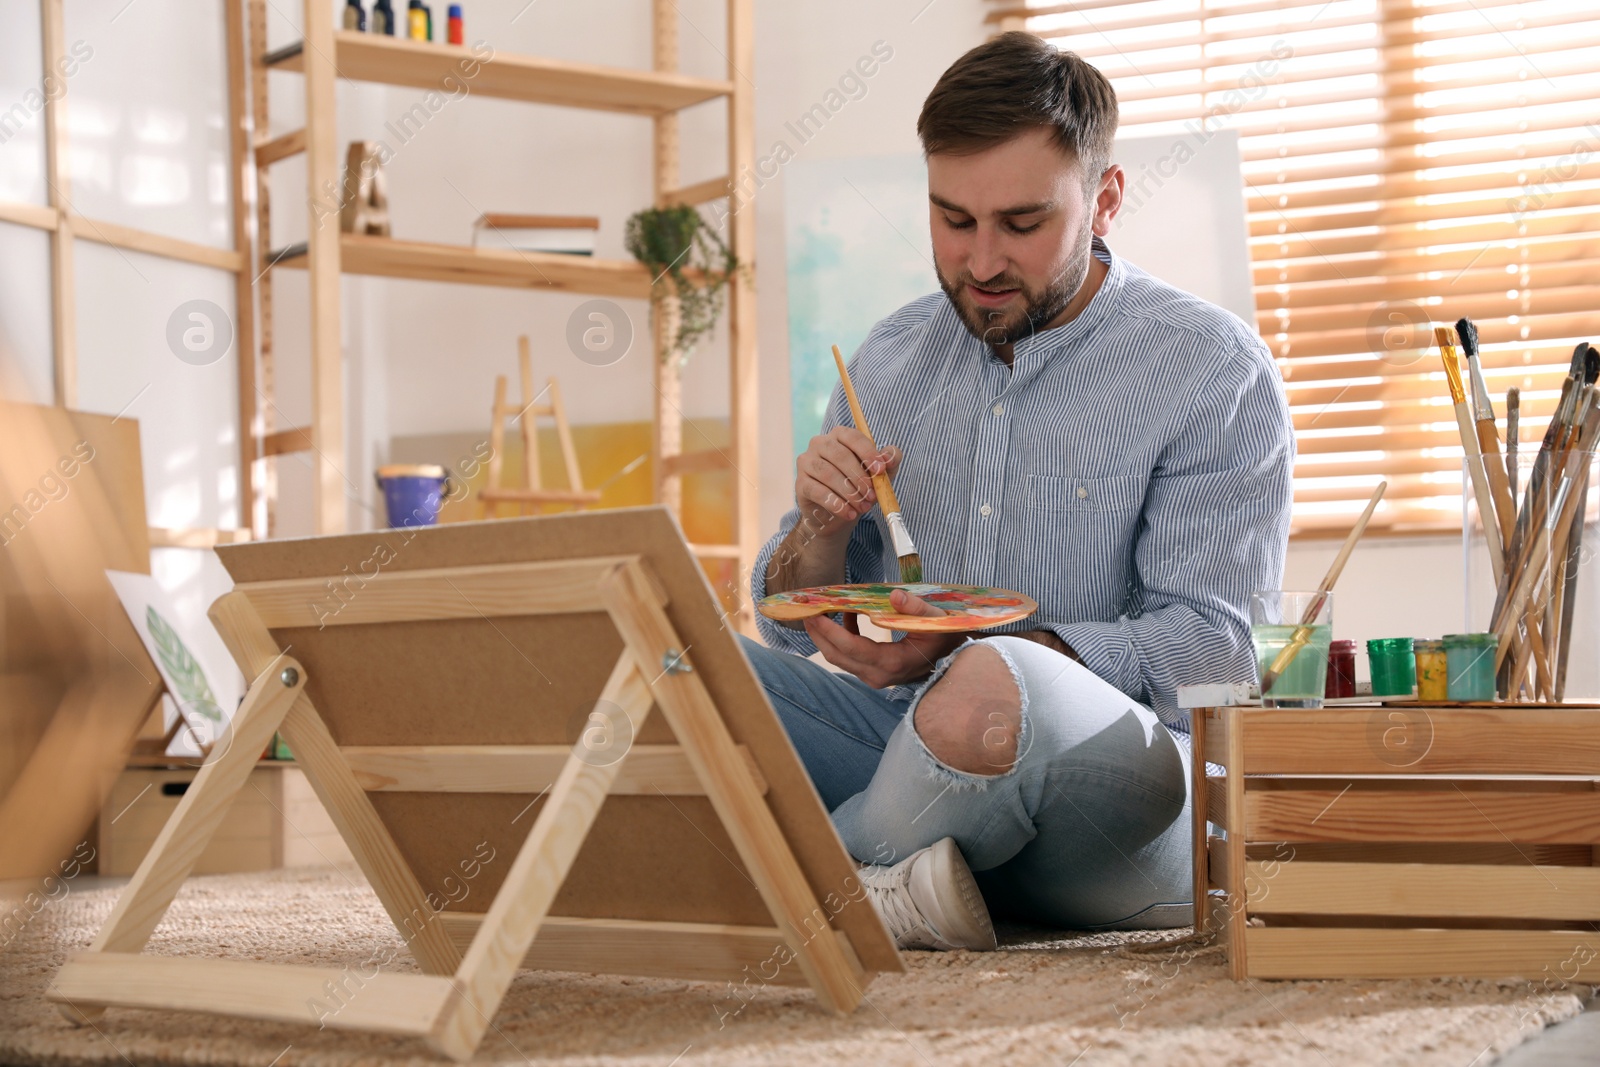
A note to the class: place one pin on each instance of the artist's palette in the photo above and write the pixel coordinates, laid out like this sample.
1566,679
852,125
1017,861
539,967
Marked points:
967,607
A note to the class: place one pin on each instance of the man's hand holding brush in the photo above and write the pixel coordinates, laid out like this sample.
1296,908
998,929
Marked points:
833,490
833,478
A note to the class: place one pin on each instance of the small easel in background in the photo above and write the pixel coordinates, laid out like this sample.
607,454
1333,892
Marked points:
532,491
364,202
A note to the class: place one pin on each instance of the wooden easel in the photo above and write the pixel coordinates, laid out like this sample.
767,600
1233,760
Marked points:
532,491
696,849
364,200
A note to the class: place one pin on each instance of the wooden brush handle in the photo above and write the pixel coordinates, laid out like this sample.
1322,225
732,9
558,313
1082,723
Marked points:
886,498
880,481
850,395
1499,484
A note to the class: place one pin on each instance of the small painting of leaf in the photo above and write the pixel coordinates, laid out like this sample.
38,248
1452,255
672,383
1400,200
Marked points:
194,692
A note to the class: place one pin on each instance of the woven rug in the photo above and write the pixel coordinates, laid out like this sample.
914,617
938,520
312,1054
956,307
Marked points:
1044,999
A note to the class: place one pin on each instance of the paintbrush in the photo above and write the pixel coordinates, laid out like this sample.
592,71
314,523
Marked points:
1513,477
1302,634
910,562
1513,427
1559,422
1472,451
1535,500
1568,588
1549,539
1524,573
1488,437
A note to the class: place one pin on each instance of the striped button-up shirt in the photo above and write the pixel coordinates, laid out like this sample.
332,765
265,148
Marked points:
1130,471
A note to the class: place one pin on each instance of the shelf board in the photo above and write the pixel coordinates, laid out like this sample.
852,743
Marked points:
423,65
385,257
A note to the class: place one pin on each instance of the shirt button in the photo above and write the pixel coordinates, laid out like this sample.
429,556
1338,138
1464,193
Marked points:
984,511
1083,493
999,409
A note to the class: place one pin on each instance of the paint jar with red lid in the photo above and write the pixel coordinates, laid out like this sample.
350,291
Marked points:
1341,670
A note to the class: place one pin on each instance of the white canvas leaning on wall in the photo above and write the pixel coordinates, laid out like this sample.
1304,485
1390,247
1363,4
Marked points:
857,243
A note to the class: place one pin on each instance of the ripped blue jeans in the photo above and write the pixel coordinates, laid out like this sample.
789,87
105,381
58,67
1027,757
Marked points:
1089,828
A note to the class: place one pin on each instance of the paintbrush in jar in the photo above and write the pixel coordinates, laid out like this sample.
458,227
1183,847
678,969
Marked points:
1532,502
1560,422
1548,539
1549,487
1472,453
1567,590
1513,428
1302,632
910,561
1505,508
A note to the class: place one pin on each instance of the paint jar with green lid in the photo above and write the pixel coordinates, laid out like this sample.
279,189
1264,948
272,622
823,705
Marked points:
1431,671
1394,667
1470,660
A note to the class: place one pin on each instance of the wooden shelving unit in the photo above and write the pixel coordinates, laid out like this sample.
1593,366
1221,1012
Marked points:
659,94
368,57
386,257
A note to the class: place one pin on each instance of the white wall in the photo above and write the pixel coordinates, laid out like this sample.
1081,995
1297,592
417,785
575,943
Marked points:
801,52
147,147
1392,587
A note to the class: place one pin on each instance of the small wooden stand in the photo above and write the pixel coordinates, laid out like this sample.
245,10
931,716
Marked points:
484,671
531,493
1402,841
364,199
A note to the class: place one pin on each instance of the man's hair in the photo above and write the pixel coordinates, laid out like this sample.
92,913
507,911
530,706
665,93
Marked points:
1015,83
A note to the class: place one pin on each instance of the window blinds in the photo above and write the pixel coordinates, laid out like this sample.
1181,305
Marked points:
1405,162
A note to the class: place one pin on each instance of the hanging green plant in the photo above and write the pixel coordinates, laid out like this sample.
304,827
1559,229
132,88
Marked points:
689,261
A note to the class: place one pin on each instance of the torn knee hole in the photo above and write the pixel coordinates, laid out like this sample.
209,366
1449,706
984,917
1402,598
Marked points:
971,718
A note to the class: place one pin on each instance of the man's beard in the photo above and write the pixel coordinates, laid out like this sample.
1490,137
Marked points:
1013,324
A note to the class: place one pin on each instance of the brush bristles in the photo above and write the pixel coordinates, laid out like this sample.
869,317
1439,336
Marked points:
1580,353
1591,366
1469,337
910,569
1446,341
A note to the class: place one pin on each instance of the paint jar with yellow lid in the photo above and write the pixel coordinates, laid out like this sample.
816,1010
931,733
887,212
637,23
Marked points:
1432,671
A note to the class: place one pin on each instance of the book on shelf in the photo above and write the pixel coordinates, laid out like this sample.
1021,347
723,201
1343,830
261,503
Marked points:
572,235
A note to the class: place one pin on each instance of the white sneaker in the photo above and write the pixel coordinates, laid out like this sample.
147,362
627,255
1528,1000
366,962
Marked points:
930,900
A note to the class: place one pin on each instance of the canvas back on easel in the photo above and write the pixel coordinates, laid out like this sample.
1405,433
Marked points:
655,853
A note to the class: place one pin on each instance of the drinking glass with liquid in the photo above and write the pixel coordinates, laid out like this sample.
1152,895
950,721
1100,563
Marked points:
1291,632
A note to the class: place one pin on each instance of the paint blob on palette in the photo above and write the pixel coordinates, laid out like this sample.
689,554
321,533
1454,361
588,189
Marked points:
966,607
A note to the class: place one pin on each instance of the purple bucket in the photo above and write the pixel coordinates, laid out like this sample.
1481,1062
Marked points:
413,492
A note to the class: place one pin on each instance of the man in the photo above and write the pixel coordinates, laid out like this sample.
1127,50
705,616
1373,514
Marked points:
1060,423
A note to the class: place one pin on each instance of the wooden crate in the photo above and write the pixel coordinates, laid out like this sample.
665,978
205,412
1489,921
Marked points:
1402,841
276,821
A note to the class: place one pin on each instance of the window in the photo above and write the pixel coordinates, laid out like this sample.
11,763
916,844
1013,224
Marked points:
1405,162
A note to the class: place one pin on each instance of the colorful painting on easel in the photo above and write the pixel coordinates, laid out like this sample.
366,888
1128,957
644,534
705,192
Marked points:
966,607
